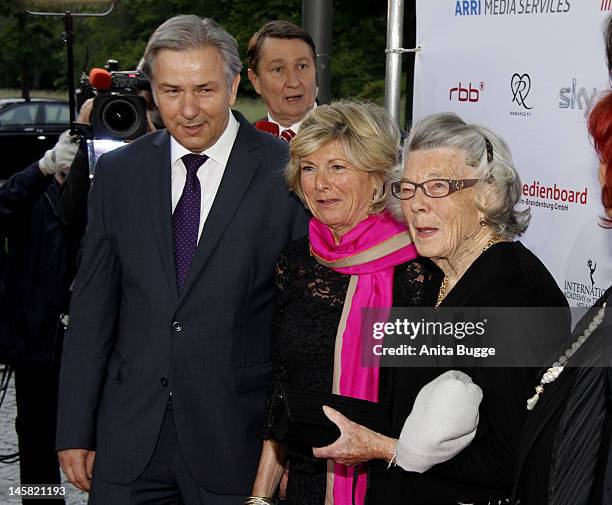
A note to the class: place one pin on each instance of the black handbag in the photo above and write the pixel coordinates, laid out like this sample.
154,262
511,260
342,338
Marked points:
297,416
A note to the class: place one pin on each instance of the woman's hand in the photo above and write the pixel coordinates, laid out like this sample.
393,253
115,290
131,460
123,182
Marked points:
356,443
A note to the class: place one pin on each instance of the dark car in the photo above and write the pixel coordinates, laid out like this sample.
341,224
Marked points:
28,129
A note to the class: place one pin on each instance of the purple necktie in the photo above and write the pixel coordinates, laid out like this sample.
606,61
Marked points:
186,218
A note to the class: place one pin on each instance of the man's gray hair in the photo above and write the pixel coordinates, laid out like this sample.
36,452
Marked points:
493,165
189,32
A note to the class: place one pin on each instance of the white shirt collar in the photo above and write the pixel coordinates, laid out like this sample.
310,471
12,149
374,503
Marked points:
219,151
295,127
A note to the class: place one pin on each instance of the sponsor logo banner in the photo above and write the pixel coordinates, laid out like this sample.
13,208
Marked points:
585,290
574,97
466,93
554,198
512,7
520,86
538,90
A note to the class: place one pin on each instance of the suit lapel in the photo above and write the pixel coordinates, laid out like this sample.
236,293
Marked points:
242,165
159,193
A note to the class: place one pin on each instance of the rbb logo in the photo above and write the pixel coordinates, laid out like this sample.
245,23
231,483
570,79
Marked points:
469,94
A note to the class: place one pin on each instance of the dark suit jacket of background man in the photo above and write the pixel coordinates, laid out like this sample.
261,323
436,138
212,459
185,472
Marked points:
133,339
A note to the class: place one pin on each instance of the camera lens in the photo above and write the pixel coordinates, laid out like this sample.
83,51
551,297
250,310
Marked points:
120,116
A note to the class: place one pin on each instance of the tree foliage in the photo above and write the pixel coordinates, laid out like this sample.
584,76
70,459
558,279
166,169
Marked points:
34,44
30,49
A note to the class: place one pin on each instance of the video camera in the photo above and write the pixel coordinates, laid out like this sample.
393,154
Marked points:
119,113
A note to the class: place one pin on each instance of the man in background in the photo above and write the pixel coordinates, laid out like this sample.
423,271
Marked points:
282,68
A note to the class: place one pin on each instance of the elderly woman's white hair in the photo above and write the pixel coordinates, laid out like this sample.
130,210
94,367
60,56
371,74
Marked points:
499,186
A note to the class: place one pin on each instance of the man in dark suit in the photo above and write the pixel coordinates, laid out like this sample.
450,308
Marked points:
167,356
282,69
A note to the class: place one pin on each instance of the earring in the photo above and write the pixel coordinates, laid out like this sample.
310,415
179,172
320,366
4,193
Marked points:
483,221
377,194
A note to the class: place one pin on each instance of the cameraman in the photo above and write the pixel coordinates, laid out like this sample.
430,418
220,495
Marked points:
35,288
72,202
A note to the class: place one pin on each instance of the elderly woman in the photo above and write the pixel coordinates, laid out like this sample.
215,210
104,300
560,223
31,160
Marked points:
565,447
357,255
458,193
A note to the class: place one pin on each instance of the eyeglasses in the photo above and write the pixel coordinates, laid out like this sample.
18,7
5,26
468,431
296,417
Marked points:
434,188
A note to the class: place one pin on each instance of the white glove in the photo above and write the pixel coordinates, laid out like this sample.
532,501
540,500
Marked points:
60,157
442,423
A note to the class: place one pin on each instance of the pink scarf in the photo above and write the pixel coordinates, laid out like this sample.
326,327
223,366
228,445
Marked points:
369,253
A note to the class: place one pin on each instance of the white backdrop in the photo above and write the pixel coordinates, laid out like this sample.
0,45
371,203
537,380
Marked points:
529,70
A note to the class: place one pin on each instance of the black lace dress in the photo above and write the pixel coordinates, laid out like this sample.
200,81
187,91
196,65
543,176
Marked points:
308,307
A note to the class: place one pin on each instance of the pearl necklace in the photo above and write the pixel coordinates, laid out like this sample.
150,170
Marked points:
495,239
555,370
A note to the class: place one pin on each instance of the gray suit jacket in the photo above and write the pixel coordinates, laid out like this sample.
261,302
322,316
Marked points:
133,339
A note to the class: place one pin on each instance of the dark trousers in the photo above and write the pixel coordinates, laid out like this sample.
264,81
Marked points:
165,481
36,393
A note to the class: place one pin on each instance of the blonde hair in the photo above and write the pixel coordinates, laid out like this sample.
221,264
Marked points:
367,133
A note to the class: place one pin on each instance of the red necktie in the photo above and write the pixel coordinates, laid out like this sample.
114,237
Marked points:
287,134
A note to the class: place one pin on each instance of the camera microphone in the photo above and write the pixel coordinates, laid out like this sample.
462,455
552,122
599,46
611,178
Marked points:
100,79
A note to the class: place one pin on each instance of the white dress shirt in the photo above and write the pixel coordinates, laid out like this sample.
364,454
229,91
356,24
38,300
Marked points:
209,174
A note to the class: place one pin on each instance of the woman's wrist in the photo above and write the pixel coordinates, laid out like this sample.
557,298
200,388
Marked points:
259,500
386,449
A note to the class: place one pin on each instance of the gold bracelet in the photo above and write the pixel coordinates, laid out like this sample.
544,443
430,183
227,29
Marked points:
259,500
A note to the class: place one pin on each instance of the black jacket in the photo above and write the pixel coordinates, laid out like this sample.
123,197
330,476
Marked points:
40,263
564,452
506,275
